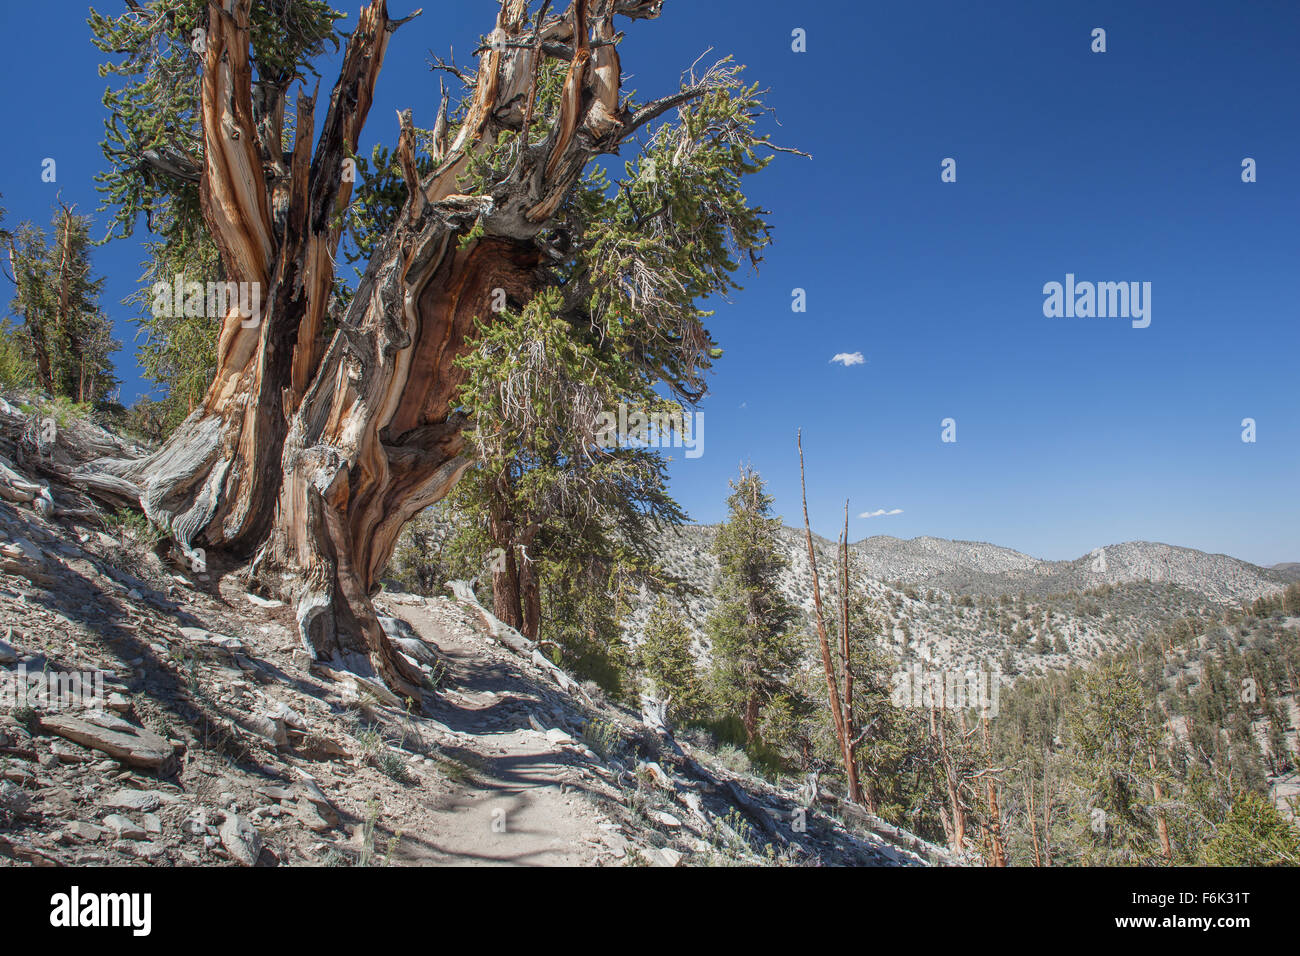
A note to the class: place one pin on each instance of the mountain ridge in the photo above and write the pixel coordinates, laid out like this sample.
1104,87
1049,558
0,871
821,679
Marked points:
1139,560
974,603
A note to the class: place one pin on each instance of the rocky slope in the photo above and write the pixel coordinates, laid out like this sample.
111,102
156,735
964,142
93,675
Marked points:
969,603
204,735
214,739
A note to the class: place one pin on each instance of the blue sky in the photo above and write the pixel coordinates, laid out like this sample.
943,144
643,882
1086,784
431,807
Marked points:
1125,166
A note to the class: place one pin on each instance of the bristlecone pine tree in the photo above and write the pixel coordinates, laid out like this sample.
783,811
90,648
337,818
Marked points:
1254,833
668,664
69,337
310,451
546,487
752,630
1120,786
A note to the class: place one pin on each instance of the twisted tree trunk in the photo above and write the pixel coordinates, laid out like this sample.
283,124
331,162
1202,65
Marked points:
307,455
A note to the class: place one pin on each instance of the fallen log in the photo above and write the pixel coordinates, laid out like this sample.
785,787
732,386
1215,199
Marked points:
901,838
512,639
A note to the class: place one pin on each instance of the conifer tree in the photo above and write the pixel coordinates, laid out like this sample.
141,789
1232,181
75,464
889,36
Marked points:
334,419
57,301
1254,834
32,304
545,487
176,350
667,663
17,360
588,597
1111,740
752,628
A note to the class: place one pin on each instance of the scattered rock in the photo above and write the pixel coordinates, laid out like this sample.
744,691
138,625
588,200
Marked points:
114,736
144,801
87,832
271,728
313,794
241,839
668,856
200,636
123,827
145,850
309,816
14,802
18,775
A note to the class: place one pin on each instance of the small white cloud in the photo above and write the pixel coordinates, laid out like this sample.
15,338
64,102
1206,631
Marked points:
881,511
848,358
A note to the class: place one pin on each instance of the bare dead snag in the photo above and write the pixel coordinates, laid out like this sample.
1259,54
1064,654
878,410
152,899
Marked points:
997,849
841,702
955,816
853,738
64,322
1033,820
1047,814
1158,796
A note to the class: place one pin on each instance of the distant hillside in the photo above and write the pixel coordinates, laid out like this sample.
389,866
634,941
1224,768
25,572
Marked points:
969,567
971,602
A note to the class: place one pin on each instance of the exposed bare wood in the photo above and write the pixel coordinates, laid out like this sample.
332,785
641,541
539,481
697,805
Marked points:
997,849
308,453
841,702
